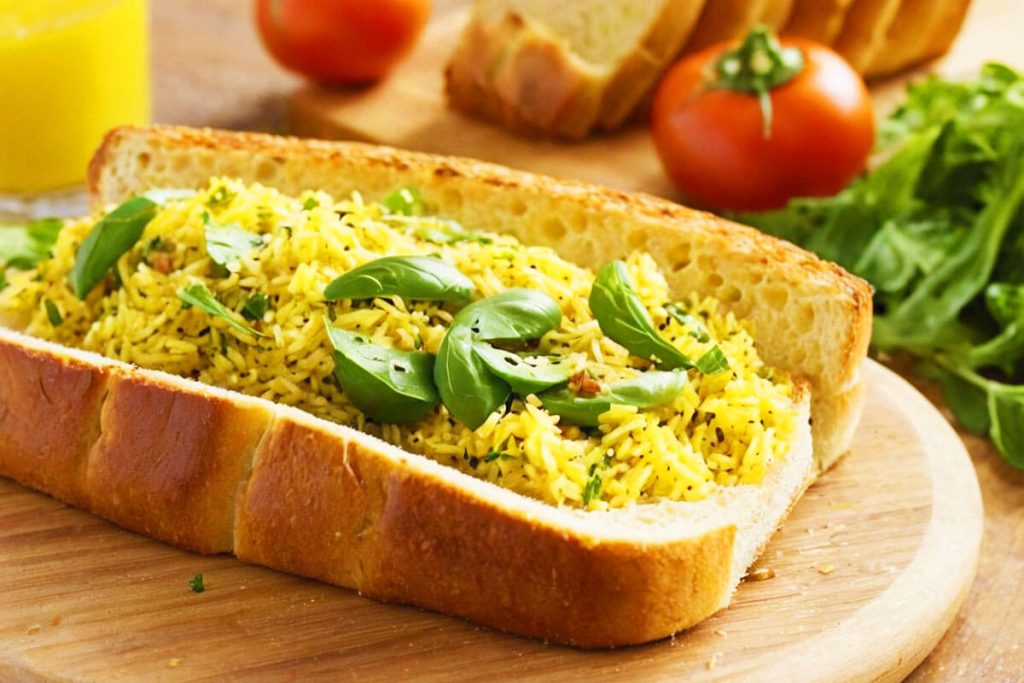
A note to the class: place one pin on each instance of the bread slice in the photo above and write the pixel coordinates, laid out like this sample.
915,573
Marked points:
864,30
214,471
564,69
725,19
817,20
776,13
921,30
314,498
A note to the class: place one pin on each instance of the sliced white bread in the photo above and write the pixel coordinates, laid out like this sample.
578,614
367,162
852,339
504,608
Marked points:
564,69
817,20
920,30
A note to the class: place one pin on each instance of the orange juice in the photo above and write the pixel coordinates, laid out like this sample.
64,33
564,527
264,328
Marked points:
69,70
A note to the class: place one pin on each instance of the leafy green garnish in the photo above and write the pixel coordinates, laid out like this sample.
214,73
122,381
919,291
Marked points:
938,228
623,318
405,201
228,244
109,239
53,313
201,297
698,330
652,388
197,584
524,374
713,361
389,385
310,203
592,489
23,247
415,278
255,306
468,387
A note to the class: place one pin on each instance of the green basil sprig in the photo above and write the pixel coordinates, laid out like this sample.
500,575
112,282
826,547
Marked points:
389,385
228,244
109,239
415,278
465,382
648,390
698,330
623,318
201,297
405,201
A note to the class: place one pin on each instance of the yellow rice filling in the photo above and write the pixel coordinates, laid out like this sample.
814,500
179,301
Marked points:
722,429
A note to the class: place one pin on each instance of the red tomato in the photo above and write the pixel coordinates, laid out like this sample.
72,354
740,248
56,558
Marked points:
340,41
713,143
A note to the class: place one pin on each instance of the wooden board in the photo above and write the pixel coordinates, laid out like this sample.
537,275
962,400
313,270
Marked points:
409,108
864,578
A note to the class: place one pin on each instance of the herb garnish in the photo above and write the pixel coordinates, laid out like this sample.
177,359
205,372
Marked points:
652,388
389,385
23,247
109,239
197,584
201,297
53,313
228,244
414,278
256,306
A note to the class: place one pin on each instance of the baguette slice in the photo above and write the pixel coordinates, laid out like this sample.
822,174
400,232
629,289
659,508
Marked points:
215,471
864,30
817,20
564,69
725,19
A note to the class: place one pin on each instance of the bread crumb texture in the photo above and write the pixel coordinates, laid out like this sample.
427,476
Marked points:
723,429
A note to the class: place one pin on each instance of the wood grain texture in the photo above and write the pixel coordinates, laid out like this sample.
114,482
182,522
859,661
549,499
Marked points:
864,578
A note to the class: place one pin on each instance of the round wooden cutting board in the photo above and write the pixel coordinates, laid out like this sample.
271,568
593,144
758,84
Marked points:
859,585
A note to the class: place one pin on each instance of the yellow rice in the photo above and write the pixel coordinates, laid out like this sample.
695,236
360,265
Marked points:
721,430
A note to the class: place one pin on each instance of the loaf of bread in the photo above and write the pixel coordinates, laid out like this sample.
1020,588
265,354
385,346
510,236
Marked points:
216,471
569,69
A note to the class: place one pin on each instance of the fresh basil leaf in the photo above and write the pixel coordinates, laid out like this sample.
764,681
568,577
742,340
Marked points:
526,375
310,203
162,197
713,361
53,313
256,306
389,385
698,330
517,314
406,201
201,297
968,402
1006,410
624,319
23,247
414,278
109,239
228,244
466,386
652,388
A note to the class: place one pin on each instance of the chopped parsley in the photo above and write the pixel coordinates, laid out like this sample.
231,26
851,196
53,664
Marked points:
256,306
53,313
196,584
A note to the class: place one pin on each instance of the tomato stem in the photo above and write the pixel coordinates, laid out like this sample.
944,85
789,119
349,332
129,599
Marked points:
756,67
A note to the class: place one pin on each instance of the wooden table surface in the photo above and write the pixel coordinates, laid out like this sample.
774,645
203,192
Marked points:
210,70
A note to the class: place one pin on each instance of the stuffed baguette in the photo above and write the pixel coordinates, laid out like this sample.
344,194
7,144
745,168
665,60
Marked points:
331,503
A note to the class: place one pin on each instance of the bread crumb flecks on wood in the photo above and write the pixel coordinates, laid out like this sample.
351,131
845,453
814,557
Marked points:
719,632
761,574
715,659
33,629
174,663
825,568
57,618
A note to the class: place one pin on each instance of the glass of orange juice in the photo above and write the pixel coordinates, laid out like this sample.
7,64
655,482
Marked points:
69,71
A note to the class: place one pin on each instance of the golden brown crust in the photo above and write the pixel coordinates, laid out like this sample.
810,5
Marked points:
49,419
818,20
920,30
400,536
724,19
168,462
811,316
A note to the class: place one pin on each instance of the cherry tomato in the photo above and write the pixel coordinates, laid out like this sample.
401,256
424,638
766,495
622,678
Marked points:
721,151
340,41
